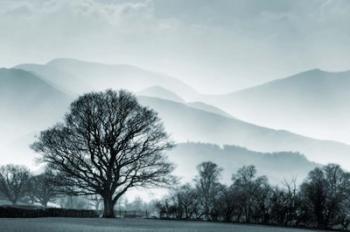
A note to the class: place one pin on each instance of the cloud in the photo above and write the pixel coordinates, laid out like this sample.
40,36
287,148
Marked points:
215,46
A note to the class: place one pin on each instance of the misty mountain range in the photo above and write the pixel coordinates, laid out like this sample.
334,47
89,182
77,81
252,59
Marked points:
34,97
312,103
73,76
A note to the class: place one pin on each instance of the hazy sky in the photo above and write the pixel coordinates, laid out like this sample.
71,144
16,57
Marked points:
214,45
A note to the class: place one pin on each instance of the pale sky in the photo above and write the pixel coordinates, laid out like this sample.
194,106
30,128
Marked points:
215,46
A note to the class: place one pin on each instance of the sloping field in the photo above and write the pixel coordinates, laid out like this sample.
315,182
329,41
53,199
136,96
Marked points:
126,225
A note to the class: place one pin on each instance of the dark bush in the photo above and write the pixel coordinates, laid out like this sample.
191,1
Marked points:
32,212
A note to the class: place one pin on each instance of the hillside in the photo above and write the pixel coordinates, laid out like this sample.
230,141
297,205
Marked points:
189,124
80,76
209,108
25,97
313,103
277,166
163,93
160,92
27,104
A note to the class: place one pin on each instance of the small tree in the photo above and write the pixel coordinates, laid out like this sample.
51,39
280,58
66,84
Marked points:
44,187
285,204
187,198
108,144
14,182
227,203
325,193
252,193
208,186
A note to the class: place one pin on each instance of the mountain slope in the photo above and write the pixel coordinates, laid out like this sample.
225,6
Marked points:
209,108
24,96
313,103
277,167
67,73
189,124
160,92
27,104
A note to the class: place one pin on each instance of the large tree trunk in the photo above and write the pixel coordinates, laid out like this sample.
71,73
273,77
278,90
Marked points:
108,207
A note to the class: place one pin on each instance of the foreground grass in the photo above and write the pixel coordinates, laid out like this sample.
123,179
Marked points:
125,225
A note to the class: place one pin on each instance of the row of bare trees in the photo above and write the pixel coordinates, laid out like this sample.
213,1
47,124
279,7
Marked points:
321,201
18,184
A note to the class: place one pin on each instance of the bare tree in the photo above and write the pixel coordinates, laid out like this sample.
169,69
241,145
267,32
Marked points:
107,144
208,186
227,203
187,198
252,192
183,201
325,192
44,187
14,182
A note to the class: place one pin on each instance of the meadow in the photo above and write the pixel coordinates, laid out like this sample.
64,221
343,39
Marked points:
126,225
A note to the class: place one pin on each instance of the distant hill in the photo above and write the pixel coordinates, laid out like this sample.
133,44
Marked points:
24,96
209,108
160,92
314,103
278,167
27,104
186,123
77,76
163,93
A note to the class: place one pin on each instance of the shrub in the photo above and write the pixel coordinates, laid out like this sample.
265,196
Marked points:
33,212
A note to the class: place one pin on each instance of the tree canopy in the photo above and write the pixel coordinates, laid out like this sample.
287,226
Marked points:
107,144
14,182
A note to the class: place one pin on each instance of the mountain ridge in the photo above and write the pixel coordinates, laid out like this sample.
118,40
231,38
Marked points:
98,76
278,166
160,92
188,124
314,103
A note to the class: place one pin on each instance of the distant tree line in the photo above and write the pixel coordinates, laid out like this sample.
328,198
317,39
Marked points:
32,194
321,201
18,184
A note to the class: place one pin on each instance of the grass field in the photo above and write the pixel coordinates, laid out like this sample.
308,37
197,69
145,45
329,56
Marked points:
125,225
